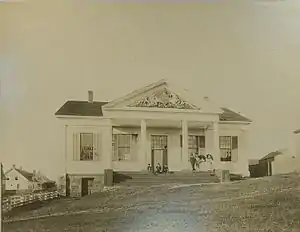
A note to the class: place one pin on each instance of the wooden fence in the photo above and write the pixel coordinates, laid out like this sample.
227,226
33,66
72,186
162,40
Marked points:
20,200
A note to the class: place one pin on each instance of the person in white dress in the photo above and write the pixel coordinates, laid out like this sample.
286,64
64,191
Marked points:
209,160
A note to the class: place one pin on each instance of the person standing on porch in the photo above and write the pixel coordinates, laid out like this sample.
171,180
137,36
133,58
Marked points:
209,160
193,160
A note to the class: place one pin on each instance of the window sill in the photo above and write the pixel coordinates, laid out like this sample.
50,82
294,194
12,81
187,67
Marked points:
123,161
87,161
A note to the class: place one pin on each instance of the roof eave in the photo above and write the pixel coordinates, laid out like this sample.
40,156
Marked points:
79,117
235,122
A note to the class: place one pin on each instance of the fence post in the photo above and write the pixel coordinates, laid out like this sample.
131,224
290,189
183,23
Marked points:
1,190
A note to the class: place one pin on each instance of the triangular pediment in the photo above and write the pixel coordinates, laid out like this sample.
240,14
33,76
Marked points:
162,98
161,95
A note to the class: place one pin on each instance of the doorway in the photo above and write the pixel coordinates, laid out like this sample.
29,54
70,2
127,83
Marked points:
67,185
86,184
159,150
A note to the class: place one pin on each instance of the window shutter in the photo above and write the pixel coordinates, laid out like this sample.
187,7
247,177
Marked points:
96,147
132,147
202,141
234,142
76,146
234,153
180,140
114,148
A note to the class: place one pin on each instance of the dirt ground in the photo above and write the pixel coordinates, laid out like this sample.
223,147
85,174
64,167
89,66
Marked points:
269,204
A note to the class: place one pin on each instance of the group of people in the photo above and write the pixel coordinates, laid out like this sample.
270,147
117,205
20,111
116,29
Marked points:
158,169
201,162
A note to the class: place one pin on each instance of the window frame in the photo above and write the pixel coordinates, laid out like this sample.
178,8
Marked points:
118,145
92,155
200,143
228,147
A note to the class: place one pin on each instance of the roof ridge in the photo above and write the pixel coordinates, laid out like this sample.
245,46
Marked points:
24,171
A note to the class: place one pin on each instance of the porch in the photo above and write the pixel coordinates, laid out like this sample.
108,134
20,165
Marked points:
138,143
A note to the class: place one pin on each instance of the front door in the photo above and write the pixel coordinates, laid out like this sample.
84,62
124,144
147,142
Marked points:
159,150
67,185
85,186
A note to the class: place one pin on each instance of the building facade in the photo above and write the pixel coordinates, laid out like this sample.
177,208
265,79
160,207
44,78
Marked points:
17,179
153,124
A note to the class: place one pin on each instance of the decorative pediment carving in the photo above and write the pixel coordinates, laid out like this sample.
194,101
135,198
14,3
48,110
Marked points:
163,99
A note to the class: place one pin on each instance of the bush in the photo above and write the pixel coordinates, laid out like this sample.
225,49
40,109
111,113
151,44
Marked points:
50,185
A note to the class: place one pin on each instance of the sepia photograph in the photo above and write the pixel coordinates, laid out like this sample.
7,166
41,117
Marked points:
150,115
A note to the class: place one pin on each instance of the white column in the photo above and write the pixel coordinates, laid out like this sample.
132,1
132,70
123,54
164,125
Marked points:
107,146
216,145
143,147
185,146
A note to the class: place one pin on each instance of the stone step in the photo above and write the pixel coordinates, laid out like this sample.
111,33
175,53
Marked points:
165,182
146,178
126,183
165,177
181,173
146,175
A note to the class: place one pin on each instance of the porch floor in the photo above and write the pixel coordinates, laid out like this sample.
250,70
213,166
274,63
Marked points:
148,178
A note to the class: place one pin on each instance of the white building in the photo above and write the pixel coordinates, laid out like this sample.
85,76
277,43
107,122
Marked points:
18,179
155,123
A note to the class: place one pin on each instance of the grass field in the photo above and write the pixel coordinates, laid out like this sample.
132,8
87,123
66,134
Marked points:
268,204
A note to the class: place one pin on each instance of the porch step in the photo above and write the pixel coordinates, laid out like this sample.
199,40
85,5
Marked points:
145,178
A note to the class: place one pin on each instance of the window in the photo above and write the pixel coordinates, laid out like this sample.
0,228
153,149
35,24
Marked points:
196,143
122,146
159,141
87,146
16,178
18,186
228,148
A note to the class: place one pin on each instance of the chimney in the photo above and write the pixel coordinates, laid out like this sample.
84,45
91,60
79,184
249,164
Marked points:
206,98
91,96
20,168
14,166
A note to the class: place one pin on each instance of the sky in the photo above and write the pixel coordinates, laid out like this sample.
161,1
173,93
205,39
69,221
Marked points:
242,54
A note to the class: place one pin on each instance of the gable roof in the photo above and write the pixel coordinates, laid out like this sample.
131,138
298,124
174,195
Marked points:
27,175
137,92
85,108
95,108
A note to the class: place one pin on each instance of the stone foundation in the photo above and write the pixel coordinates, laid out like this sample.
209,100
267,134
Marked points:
62,185
75,185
